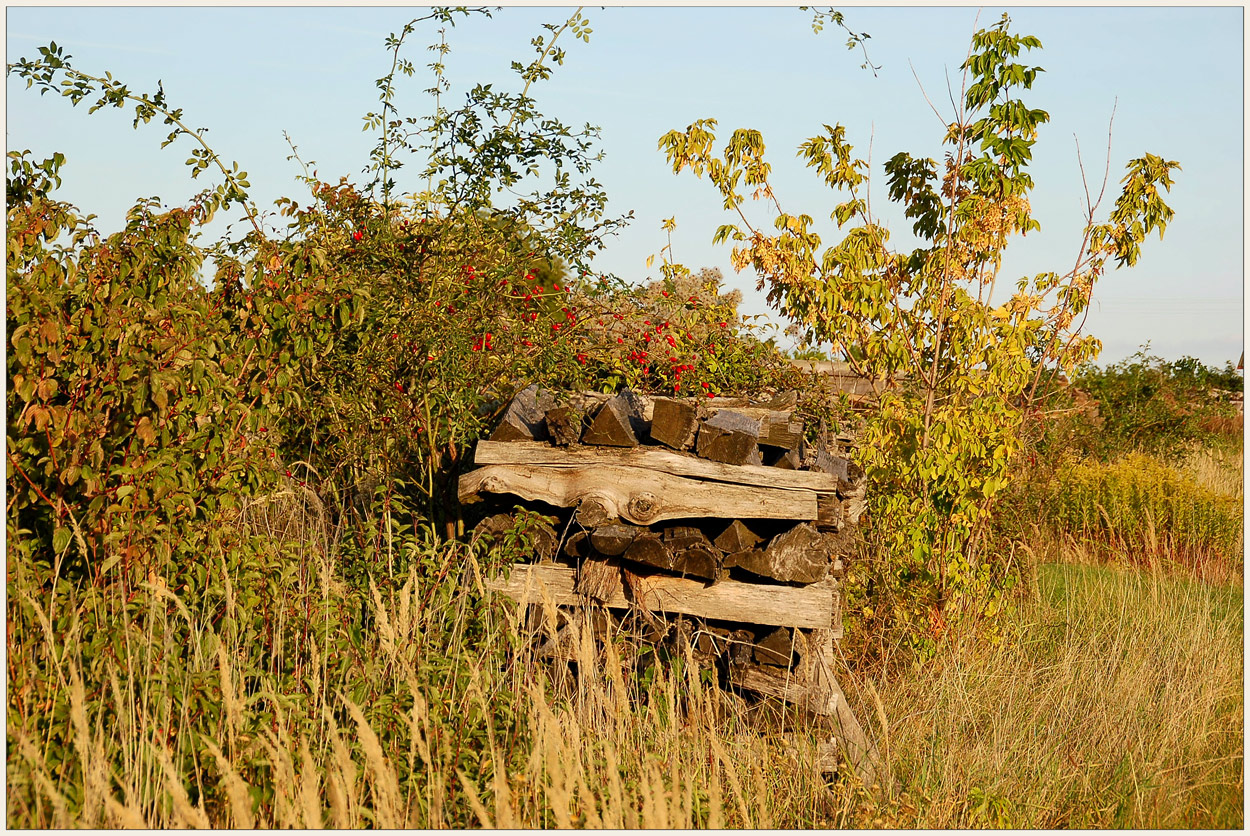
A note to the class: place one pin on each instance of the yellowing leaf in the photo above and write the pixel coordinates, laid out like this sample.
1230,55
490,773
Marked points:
145,432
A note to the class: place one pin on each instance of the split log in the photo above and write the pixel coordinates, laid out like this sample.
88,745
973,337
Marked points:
850,476
564,424
730,437
777,648
639,496
795,556
787,459
664,461
619,422
741,643
712,641
828,511
738,538
778,429
600,579
525,418
784,685
673,422
688,559
614,539
808,607
578,545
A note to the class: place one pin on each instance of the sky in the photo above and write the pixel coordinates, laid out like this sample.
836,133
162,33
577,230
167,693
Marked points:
1174,78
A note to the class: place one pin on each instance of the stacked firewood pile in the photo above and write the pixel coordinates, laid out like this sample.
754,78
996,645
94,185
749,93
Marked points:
714,516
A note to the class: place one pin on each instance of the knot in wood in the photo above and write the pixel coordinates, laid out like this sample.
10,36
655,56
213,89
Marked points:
643,507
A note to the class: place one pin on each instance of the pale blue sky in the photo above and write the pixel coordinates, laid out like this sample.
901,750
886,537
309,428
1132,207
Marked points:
1175,76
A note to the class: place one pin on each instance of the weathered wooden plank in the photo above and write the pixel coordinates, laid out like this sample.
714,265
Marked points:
639,496
664,461
783,606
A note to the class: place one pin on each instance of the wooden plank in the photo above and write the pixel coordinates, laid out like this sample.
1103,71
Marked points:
785,685
781,606
664,461
639,496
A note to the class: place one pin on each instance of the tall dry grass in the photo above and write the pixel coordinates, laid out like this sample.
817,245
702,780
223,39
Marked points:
1114,700
1117,704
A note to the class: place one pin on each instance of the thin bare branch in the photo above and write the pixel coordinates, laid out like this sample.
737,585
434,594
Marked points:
925,94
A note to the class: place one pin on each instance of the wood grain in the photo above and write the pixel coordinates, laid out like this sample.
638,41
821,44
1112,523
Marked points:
637,495
782,606
664,461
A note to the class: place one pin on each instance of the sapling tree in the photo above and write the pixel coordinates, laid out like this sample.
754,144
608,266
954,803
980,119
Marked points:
955,370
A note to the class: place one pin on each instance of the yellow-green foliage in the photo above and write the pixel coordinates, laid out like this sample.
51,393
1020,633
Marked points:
1141,502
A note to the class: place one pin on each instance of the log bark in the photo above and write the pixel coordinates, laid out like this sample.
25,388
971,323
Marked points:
808,607
599,578
640,496
673,423
664,461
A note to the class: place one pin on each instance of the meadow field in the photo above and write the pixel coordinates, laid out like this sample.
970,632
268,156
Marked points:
1111,695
